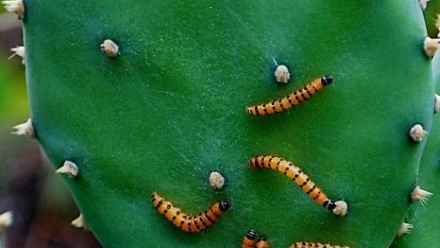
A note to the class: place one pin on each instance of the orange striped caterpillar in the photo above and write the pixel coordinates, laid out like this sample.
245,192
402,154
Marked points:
304,244
301,179
262,242
294,98
249,239
187,222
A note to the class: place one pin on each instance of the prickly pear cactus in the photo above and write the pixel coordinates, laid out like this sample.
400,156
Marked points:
161,105
424,217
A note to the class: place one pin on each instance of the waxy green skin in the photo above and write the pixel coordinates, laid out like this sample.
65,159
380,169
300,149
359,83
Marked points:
425,218
170,109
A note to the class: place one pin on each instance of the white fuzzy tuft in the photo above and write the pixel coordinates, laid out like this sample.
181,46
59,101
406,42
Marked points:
423,3
14,6
24,129
405,228
431,45
216,180
6,220
437,104
417,133
109,48
341,208
69,168
282,74
18,51
421,195
79,222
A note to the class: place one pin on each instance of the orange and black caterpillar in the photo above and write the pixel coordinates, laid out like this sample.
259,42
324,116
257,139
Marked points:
185,221
249,239
301,179
294,98
314,245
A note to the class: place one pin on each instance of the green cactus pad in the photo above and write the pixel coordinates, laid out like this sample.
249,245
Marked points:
425,217
170,109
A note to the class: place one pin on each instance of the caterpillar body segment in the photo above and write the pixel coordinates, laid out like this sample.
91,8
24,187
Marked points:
185,221
305,244
249,239
293,99
301,179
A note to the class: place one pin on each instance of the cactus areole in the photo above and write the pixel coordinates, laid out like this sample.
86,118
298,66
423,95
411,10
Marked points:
151,96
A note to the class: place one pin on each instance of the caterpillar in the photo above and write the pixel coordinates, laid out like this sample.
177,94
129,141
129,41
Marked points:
249,239
304,244
301,179
262,242
294,98
185,221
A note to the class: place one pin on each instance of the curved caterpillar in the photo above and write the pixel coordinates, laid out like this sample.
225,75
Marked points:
304,244
294,98
185,221
249,239
301,179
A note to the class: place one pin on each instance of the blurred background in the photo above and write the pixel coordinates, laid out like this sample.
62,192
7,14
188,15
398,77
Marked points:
39,199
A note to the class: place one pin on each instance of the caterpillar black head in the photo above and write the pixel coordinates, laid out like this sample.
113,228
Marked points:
262,238
262,242
251,234
325,80
224,205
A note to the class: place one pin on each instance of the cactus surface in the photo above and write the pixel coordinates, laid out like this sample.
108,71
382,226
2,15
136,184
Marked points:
168,108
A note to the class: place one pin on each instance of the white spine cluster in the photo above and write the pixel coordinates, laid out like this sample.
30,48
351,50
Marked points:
24,129
405,228
431,45
18,51
417,133
69,168
79,222
6,220
110,48
14,6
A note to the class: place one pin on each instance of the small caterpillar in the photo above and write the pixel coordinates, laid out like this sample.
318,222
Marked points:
249,239
304,244
294,98
301,179
185,221
262,242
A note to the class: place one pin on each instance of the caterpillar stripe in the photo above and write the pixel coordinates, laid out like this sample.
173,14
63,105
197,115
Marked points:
185,221
301,179
304,244
294,98
249,239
